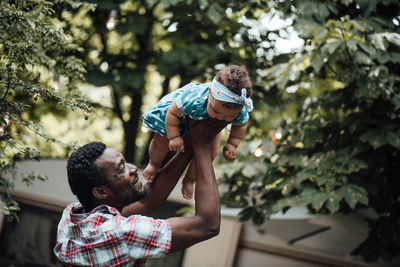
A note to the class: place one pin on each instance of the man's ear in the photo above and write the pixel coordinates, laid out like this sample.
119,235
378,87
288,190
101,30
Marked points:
100,192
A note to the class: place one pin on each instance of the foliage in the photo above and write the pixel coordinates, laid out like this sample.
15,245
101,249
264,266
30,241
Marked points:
33,49
180,40
340,151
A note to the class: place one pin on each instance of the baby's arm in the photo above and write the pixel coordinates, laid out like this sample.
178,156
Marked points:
236,135
172,123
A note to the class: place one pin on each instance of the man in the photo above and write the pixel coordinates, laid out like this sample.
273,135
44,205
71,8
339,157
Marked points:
107,227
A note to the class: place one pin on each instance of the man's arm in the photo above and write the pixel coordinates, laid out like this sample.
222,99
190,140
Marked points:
206,221
168,176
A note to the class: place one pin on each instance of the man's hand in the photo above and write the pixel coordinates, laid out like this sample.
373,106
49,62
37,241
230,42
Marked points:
229,152
176,144
204,132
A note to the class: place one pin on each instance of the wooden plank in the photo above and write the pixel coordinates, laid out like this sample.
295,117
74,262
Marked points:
219,251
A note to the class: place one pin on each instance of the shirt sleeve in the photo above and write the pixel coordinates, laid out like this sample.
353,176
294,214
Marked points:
147,237
242,117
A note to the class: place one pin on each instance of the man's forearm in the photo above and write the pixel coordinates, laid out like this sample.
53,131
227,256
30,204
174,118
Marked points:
207,202
206,222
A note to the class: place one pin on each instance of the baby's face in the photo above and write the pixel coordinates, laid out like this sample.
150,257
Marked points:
216,110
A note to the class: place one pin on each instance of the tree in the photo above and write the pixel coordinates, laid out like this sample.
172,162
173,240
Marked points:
178,39
340,151
35,53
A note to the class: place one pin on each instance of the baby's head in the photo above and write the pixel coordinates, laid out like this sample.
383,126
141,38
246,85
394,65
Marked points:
235,78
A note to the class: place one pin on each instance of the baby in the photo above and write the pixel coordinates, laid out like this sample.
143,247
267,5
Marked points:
227,98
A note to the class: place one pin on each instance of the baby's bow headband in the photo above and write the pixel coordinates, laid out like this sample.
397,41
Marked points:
221,93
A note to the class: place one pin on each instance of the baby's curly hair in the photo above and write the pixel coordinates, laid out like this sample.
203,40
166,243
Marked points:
83,173
235,78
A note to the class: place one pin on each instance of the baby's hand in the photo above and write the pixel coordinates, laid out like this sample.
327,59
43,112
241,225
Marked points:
176,144
229,152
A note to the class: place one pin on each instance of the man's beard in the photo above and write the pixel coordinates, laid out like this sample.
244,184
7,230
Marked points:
138,195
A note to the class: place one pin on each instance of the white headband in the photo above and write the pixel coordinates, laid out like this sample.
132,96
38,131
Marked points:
221,93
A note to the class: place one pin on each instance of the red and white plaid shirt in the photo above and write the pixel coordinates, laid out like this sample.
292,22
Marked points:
104,237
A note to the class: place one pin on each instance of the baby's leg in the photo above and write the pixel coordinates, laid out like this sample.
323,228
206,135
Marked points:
189,179
157,151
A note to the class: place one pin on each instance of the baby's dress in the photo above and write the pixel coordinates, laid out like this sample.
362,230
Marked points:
191,100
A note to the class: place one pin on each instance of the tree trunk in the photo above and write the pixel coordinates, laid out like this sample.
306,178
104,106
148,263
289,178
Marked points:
145,54
165,90
131,127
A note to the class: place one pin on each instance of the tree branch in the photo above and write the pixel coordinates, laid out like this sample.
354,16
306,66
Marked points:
8,82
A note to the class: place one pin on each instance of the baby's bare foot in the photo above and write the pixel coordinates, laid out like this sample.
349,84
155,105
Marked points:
150,172
187,187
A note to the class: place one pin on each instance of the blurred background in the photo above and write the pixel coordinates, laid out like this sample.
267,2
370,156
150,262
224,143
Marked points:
323,139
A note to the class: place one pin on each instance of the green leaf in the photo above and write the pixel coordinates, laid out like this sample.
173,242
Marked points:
383,57
302,175
333,202
284,203
375,137
313,196
355,165
367,48
311,137
326,178
346,2
393,139
366,5
246,214
321,12
215,13
395,57
393,38
396,102
291,160
258,218
362,58
377,39
317,62
231,168
352,45
330,47
168,3
256,168
354,194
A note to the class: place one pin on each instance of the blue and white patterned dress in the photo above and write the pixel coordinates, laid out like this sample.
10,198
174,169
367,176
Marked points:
192,101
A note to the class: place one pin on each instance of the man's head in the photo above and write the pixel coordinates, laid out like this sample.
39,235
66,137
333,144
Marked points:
99,175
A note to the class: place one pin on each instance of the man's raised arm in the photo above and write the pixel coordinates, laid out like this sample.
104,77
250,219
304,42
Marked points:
206,221
160,189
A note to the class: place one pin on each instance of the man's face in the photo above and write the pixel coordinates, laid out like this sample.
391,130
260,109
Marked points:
123,181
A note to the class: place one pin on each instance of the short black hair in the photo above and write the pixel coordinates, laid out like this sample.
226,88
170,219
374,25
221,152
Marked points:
84,174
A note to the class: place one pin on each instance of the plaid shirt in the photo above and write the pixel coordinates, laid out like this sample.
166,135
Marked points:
104,237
